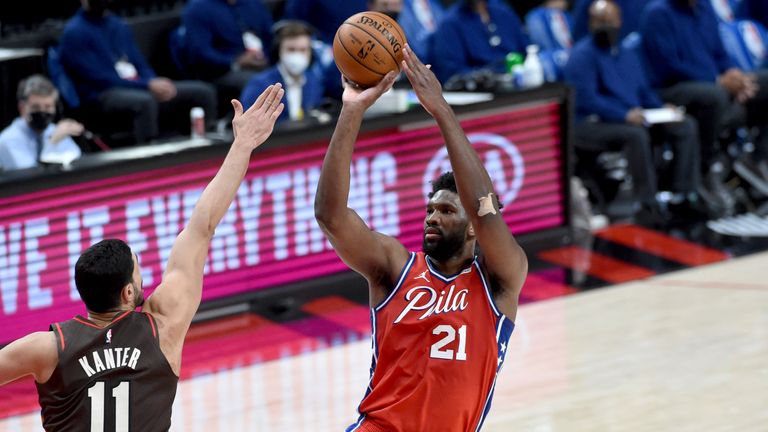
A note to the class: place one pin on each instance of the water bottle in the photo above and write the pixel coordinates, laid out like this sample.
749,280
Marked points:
533,70
197,121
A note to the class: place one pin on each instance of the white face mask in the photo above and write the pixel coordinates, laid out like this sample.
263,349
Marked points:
295,63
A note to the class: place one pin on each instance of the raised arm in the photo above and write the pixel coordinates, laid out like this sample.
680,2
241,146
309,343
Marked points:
176,299
503,258
377,257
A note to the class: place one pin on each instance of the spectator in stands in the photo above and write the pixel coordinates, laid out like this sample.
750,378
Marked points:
419,19
476,34
691,67
611,94
101,57
33,136
630,11
303,86
755,10
324,15
224,42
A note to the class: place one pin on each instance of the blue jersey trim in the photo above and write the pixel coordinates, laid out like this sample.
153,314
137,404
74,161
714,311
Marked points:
441,276
504,329
487,288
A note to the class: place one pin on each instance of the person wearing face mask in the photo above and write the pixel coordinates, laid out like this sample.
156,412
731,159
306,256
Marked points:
630,12
100,56
611,94
476,34
33,136
303,84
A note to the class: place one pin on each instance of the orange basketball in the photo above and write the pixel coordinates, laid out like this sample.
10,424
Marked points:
367,46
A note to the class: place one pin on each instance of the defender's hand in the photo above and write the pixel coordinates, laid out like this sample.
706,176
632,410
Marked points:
254,126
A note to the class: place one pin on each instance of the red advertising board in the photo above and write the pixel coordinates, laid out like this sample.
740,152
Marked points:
269,236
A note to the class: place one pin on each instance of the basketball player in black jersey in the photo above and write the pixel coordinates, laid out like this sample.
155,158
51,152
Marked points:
117,369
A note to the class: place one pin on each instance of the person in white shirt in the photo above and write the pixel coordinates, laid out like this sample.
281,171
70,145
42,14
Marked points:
33,137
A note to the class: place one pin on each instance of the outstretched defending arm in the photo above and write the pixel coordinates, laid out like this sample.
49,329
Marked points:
503,258
176,299
375,256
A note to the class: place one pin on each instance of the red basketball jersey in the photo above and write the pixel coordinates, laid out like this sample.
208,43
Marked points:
438,343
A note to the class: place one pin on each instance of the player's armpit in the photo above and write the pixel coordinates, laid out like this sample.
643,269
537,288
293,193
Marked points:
377,257
35,354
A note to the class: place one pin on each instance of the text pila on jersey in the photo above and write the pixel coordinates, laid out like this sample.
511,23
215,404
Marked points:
108,359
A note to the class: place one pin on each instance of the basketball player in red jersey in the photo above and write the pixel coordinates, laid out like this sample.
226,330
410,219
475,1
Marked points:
117,370
442,317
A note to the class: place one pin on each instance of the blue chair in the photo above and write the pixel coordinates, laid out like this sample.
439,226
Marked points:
553,62
724,9
746,42
549,28
754,38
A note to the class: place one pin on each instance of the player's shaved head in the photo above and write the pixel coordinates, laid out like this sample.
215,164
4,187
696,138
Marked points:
604,13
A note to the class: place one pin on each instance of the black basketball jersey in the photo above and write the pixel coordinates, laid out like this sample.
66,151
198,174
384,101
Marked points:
108,379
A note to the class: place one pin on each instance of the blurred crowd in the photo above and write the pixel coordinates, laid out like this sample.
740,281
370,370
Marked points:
670,95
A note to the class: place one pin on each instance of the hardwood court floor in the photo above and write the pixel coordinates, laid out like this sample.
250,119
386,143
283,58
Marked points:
685,351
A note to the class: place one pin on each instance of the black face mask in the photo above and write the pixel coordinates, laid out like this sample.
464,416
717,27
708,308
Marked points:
39,120
392,14
606,37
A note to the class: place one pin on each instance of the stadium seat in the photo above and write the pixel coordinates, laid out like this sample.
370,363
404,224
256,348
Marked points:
754,38
724,9
549,28
553,62
746,42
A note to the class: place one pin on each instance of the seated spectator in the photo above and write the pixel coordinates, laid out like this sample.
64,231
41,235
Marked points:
691,67
630,11
99,54
755,10
611,94
303,86
324,15
419,20
33,136
476,34
223,42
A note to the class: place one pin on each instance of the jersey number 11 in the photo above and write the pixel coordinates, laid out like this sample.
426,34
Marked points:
121,395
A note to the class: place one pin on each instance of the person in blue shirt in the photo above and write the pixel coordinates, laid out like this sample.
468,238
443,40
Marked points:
224,42
100,56
324,15
303,85
688,63
33,137
611,95
630,12
476,34
419,20
753,9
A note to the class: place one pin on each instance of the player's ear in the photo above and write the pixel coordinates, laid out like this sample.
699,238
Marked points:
126,295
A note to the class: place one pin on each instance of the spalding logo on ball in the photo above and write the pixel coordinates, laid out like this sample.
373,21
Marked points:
367,46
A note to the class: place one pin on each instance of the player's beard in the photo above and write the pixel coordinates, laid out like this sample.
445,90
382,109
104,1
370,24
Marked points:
138,297
449,245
